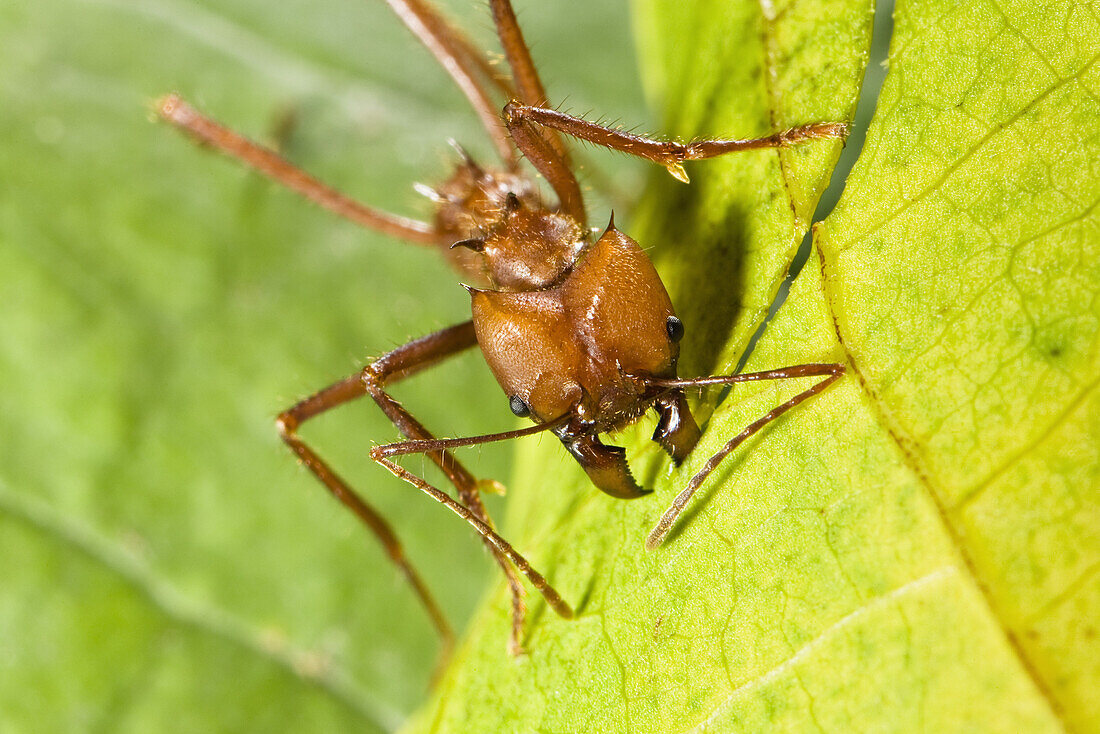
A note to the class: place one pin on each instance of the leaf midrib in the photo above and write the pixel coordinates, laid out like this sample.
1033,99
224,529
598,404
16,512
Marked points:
900,440
88,543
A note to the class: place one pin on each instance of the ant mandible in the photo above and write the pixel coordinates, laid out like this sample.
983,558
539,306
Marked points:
577,329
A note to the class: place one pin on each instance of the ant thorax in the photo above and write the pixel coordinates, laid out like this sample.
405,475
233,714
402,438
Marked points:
502,232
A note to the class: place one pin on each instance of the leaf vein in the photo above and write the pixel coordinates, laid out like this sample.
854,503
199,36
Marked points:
175,606
935,185
852,618
934,496
1071,407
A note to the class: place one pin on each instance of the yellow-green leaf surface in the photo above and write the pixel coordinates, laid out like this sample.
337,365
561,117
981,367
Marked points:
164,564
962,268
773,561
916,549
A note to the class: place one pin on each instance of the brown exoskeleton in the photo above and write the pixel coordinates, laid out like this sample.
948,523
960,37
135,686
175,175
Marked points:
577,328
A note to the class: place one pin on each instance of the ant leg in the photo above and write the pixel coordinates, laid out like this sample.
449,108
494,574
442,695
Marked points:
380,454
832,373
544,148
396,365
411,358
461,60
553,166
669,154
523,67
517,53
268,162
327,399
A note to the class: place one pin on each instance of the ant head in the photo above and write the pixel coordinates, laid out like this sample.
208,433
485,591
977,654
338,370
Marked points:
584,348
529,345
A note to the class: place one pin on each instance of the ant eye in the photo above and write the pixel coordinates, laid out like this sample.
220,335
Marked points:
518,406
675,328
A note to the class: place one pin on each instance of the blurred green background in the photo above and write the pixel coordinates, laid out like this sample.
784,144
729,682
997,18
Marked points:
165,563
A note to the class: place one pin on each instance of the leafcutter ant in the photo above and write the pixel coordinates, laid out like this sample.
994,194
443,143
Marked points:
575,324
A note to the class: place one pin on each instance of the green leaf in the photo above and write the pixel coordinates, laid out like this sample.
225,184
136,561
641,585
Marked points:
962,269
166,566
915,549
